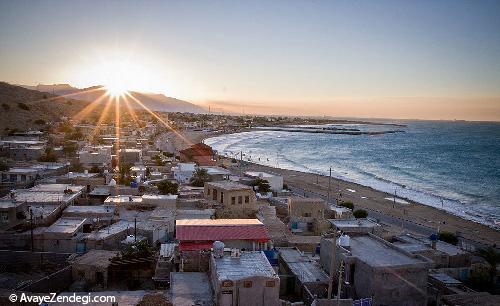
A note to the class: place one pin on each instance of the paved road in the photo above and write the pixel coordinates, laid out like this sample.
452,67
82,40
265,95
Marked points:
381,218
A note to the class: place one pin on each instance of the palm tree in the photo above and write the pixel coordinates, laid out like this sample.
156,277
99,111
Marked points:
200,176
492,257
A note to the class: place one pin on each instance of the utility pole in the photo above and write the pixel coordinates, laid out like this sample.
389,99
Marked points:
329,184
135,229
241,162
332,265
339,287
31,230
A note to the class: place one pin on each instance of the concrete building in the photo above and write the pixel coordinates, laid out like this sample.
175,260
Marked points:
442,254
19,177
238,200
190,288
309,280
183,172
47,201
247,279
130,156
12,213
307,215
275,181
92,267
376,268
95,156
350,226
197,234
339,212
62,236
216,173
147,200
102,213
89,180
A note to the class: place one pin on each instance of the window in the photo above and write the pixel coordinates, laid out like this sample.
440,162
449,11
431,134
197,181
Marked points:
270,284
23,177
247,199
247,284
222,197
208,191
227,283
307,214
214,195
233,200
4,217
240,200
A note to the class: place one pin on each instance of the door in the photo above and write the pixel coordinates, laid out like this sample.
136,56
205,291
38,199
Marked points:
226,298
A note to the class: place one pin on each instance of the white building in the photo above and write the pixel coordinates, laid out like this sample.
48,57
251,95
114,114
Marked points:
183,172
275,181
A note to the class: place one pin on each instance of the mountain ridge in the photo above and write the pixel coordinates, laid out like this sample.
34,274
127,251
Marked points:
153,101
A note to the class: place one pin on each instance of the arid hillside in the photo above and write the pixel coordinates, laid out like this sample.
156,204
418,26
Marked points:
24,109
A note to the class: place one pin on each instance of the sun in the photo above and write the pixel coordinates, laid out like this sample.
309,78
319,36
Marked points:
116,89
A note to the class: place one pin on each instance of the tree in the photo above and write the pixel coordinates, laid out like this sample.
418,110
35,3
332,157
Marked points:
492,257
347,204
448,237
138,249
48,156
200,176
262,185
3,166
360,213
168,187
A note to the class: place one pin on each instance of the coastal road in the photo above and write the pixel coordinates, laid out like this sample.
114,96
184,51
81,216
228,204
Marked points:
380,217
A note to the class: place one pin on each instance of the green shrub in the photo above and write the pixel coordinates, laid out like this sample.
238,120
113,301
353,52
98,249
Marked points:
448,237
347,204
168,187
360,213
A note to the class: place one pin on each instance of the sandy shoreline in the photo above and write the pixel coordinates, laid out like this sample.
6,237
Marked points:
369,198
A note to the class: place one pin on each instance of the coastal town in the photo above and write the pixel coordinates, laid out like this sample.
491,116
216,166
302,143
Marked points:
142,210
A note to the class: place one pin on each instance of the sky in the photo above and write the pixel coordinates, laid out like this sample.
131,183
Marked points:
427,59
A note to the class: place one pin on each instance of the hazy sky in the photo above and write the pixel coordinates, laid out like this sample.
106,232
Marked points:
403,59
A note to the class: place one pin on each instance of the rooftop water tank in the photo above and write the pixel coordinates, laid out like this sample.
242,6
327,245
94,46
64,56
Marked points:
218,249
344,241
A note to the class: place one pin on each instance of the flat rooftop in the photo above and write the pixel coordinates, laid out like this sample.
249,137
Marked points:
123,199
97,258
249,264
353,223
98,209
229,185
159,197
66,225
16,170
219,222
111,230
260,174
378,253
190,288
303,267
56,188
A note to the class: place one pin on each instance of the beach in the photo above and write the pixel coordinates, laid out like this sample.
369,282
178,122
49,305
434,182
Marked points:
366,198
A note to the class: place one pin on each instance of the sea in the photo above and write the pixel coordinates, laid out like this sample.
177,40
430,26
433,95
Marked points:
450,165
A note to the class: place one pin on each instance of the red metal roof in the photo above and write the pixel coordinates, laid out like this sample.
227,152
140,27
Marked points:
213,233
192,246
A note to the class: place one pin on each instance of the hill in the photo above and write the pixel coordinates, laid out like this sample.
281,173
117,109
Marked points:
156,102
25,109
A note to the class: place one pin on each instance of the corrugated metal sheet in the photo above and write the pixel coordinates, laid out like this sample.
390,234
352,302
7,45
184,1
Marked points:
191,246
212,233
